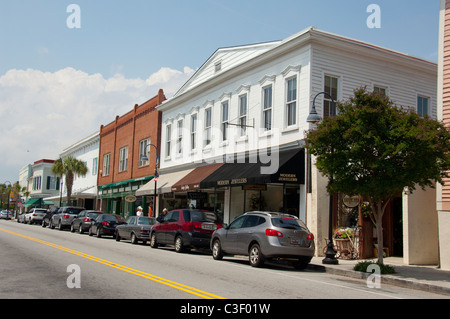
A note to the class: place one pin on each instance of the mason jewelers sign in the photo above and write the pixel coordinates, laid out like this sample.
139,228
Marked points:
235,181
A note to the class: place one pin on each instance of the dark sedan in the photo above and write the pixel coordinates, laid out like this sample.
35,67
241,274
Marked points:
84,220
105,224
136,229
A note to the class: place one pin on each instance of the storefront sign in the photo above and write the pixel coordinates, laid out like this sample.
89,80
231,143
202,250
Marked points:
288,178
351,201
130,198
254,187
197,195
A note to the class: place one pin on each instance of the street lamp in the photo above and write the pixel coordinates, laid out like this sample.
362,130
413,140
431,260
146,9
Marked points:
314,118
144,157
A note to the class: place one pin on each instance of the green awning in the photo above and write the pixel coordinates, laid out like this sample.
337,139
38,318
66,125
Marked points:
33,202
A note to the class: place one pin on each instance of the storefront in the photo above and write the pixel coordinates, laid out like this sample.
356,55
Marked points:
245,188
120,198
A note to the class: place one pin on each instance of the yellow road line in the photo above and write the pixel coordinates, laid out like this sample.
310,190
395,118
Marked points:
157,279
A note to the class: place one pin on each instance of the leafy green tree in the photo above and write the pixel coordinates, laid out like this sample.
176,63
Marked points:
69,167
377,150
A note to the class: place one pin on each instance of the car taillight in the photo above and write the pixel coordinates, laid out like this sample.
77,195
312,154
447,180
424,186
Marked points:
311,236
105,223
274,233
66,216
34,215
87,219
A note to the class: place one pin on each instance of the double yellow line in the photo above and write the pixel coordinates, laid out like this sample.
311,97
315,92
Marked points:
139,273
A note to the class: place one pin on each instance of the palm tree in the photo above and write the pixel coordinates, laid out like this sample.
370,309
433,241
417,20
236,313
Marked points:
69,167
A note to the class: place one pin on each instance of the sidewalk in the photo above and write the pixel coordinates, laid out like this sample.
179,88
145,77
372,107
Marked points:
427,278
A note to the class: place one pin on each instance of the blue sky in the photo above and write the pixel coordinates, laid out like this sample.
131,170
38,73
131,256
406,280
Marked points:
74,80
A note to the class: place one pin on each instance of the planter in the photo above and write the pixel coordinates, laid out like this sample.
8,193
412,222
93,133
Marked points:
344,248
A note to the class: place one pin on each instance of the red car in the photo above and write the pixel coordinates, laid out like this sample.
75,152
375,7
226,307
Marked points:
184,229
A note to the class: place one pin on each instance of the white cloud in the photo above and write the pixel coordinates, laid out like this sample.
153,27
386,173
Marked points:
44,112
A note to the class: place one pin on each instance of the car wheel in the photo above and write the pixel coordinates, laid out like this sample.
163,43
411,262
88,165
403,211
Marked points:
117,236
179,247
217,250
60,226
50,225
255,256
72,228
98,233
90,231
153,242
133,239
43,224
80,229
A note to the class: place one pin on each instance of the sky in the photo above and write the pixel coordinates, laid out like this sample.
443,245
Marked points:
65,71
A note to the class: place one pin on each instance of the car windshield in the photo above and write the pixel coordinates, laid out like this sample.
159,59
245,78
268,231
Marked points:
93,215
288,222
200,216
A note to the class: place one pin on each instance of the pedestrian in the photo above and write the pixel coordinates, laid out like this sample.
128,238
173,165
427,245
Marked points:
161,217
139,211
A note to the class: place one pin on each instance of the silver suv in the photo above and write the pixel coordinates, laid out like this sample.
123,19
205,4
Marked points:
265,235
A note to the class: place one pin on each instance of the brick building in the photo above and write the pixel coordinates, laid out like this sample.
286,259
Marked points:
122,144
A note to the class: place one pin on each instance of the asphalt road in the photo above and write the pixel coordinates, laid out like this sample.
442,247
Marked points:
42,263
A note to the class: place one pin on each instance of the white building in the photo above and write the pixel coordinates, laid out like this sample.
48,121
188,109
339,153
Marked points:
84,189
244,100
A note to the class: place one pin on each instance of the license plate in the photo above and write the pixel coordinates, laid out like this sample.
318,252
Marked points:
209,226
296,241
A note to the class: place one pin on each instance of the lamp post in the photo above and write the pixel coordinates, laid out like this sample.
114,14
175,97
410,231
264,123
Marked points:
9,193
156,175
314,118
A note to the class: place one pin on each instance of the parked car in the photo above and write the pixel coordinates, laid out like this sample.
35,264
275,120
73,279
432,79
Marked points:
105,224
35,216
265,235
136,229
4,214
50,212
84,220
185,228
63,218
21,217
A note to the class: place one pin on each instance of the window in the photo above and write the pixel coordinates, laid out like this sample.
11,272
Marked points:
193,131
94,166
37,182
106,161
52,183
168,139
331,87
422,105
224,125
291,102
123,159
208,123
144,150
243,114
267,108
180,136
380,90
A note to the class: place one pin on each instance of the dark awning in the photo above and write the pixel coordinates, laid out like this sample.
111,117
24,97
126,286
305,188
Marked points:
291,171
192,180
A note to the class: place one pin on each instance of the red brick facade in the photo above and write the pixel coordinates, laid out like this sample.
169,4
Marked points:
142,122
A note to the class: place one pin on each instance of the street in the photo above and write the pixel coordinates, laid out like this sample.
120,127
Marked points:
42,263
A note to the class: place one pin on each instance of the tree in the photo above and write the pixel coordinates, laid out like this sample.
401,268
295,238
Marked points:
375,149
69,167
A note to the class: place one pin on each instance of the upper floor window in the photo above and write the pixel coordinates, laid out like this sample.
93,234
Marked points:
193,131
243,114
224,119
106,164
144,149
180,136
168,139
267,108
94,166
123,159
380,90
291,102
208,126
423,105
331,87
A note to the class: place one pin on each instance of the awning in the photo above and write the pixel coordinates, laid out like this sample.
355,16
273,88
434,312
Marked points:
33,202
90,192
291,170
164,184
122,183
192,180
